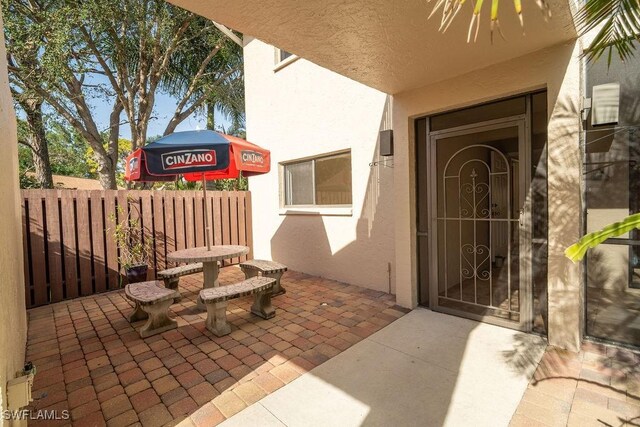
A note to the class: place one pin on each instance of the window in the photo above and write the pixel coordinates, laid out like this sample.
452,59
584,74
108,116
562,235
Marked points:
282,58
283,54
321,181
611,172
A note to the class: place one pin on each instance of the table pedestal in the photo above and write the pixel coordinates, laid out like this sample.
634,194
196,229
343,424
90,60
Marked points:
209,258
210,271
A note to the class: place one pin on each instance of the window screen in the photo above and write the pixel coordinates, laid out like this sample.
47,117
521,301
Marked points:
323,181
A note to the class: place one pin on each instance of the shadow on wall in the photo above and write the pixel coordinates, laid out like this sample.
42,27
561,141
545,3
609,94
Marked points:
303,242
564,207
564,211
612,181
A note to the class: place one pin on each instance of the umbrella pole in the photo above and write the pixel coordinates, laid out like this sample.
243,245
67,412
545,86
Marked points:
206,213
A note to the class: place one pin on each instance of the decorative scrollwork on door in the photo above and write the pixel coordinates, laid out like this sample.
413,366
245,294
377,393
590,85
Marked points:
474,195
467,193
469,268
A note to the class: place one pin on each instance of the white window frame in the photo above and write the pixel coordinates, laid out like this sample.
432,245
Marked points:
280,64
313,209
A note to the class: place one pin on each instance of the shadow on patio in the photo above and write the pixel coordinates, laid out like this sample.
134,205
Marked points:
92,362
600,385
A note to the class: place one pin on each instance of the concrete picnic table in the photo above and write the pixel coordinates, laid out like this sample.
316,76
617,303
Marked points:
209,259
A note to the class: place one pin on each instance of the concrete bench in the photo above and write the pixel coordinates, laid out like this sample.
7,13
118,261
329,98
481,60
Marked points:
171,276
275,270
152,302
215,299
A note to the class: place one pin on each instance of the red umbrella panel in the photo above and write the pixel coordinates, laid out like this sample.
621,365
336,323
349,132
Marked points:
241,156
245,157
192,152
197,155
135,169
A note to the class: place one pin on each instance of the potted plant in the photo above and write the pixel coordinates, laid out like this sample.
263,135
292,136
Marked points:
134,248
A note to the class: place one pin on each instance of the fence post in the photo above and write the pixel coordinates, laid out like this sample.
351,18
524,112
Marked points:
70,250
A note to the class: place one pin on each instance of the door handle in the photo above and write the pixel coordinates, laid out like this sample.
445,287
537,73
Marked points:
520,218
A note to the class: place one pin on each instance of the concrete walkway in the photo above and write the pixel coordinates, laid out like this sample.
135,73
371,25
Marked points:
425,369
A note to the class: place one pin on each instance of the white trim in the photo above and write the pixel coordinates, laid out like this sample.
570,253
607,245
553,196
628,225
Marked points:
227,32
346,210
281,64
319,156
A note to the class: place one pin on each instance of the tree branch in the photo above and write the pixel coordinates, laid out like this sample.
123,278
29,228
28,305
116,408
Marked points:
196,79
26,144
103,63
159,66
179,117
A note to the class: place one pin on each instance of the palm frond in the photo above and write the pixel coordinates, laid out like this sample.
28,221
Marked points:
450,8
578,250
618,26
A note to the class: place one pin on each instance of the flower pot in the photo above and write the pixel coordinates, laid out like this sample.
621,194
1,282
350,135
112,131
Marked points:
137,273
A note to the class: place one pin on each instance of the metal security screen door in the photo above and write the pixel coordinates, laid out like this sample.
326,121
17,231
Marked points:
480,225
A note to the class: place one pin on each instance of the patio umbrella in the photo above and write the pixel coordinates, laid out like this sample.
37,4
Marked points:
200,155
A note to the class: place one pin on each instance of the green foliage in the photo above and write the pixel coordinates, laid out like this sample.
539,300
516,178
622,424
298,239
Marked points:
28,181
66,151
178,185
617,22
25,159
238,184
25,168
124,149
577,251
122,52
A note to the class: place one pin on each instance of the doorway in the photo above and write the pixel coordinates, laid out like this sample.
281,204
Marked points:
477,243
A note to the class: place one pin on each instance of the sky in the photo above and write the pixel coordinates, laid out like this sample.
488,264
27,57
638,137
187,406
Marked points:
164,108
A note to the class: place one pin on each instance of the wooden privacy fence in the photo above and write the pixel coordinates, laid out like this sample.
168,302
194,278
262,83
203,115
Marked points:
69,249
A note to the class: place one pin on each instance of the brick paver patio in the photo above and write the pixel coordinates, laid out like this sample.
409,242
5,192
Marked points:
600,386
92,362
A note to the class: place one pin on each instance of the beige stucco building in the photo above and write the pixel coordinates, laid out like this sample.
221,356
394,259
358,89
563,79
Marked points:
506,118
359,68
353,243
471,210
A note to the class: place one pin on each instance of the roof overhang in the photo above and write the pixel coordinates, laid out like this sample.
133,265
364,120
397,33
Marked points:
389,45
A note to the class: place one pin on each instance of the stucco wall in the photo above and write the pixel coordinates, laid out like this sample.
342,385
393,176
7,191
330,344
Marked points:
558,70
13,323
303,110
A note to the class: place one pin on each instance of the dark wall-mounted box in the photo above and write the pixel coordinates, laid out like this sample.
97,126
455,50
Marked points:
386,142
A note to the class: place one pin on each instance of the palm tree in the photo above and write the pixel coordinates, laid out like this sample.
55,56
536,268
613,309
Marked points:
617,22
221,82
